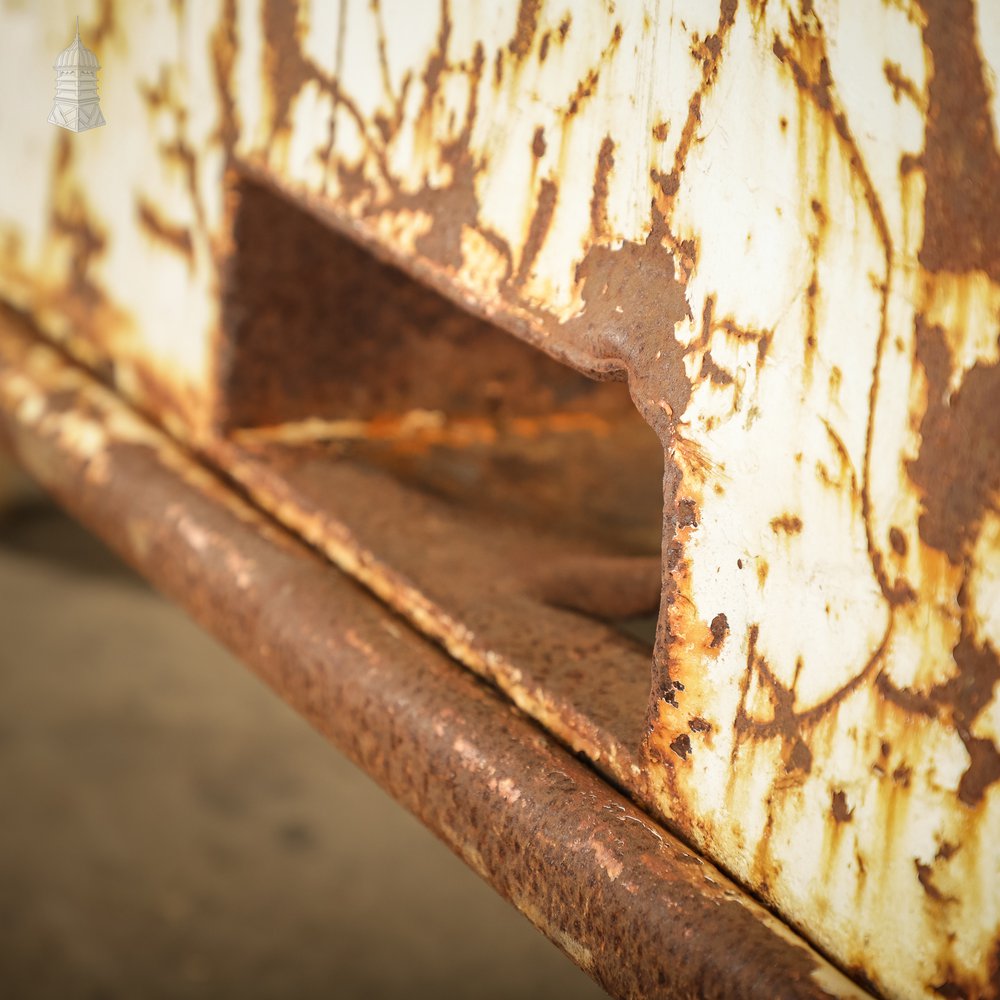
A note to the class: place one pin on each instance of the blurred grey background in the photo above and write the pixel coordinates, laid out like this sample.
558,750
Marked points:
170,829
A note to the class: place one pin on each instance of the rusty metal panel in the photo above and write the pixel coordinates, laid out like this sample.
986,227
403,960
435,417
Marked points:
777,221
618,893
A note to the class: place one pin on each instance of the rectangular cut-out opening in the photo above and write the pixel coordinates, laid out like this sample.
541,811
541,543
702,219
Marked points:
507,504
317,329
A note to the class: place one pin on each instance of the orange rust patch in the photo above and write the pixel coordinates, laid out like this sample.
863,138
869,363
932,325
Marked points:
420,430
789,524
960,159
524,31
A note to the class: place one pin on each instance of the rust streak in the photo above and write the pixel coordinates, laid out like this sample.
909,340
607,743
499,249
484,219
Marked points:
524,31
599,199
177,237
901,85
540,221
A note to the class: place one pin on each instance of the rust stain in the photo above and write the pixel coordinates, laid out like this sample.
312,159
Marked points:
179,151
716,374
176,237
711,324
836,380
800,757
902,86
686,513
681,746
956,469
946,851
527,25
455,206
959,477
816,238
983,770
787,722
287,69
902,775
960,160
669,182
810,71
95,319
719,629
584,89
839,808
789,524
225,45
898,541
925,874
541,220
538,143
599,199
106,26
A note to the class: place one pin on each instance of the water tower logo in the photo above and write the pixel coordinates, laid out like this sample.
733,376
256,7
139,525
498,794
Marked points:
76,106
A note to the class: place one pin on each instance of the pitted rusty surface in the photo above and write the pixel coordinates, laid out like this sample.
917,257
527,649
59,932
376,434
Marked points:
776,220
524,608
620,895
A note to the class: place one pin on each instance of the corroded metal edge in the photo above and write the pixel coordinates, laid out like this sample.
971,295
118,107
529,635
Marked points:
623,898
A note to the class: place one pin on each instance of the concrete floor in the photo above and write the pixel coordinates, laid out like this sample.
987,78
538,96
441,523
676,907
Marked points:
170,829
